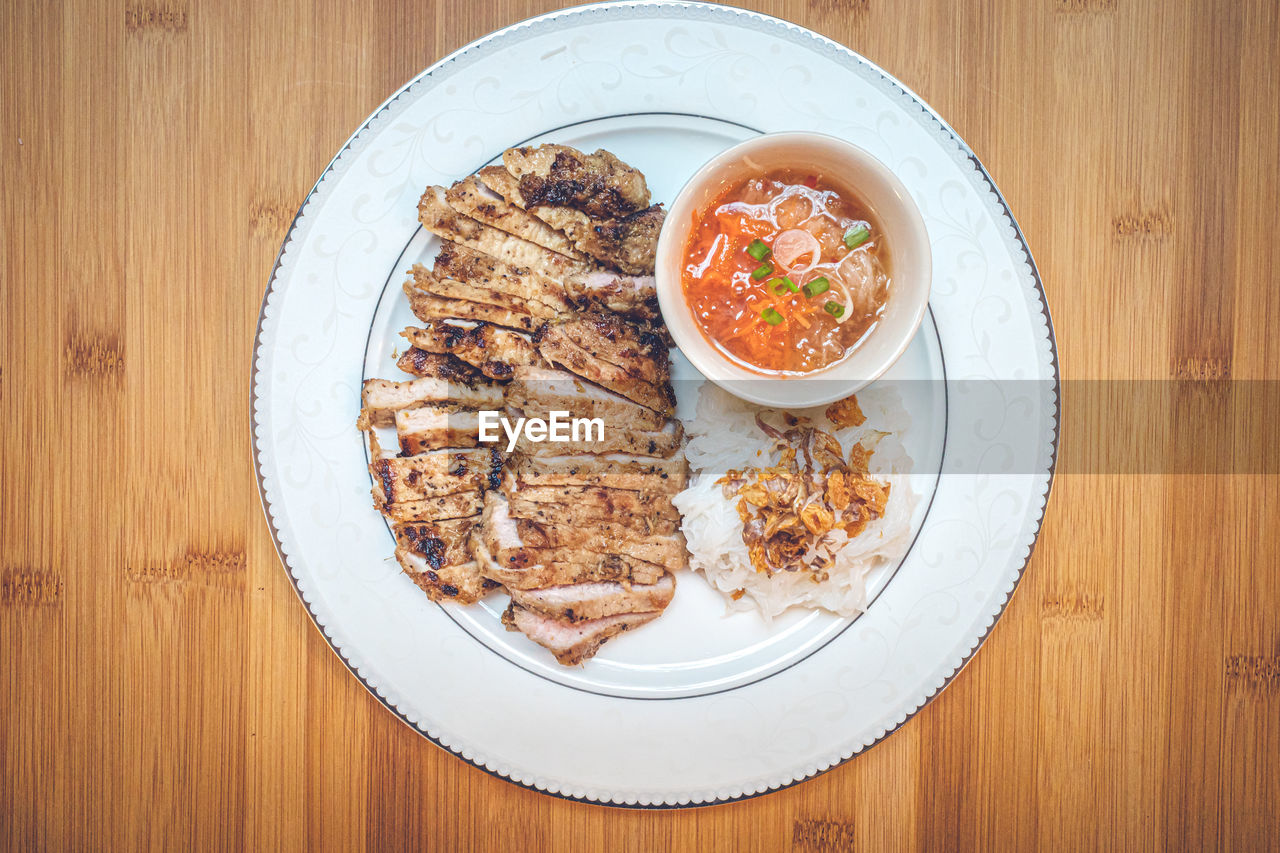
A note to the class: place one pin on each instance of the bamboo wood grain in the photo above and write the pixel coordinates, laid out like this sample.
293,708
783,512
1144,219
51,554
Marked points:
163,688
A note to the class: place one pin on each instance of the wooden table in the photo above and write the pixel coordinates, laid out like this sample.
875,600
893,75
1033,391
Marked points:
161,684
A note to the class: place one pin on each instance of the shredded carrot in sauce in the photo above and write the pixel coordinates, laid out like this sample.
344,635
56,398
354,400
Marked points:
837,292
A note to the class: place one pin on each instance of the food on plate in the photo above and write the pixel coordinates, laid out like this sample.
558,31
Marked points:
573,642
633,296
796,509
437,558
548,389
419,362
495,351
383,398
786,272
540,300
614,354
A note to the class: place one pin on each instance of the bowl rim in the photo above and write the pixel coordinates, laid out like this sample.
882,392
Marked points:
761,388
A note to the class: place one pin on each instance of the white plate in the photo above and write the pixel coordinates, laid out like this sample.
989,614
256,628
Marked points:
713,708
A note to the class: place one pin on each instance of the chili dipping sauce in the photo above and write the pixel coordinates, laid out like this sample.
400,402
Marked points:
786,272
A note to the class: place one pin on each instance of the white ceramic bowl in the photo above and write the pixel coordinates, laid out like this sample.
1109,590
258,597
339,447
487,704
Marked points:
891,206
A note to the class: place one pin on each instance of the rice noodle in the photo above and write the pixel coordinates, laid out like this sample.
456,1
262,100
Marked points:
724,435
859,274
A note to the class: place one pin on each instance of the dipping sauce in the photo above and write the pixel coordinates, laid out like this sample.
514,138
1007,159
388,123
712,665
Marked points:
785,272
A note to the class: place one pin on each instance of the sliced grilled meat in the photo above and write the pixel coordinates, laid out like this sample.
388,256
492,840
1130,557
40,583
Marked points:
419,362
608,504
432,429
496,352
458,582
629,295
440,219
556,346
627,242
504,559
438,543
659,543
580,602
517,555
534,568
599,184
572,642
614,471
604,334
574,514
429,308
473,198
456,505
428,475
537,391
435,283
467,265
383,398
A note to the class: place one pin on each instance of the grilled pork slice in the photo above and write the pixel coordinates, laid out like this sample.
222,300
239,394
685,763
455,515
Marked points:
557,347
572,642
433,474
437,556
580,602
460,582
495,352
429,307
609,503
573,222
661,443
535,568
577,514
476,200
640,559
657,543
628,243
436,283
632,296
614,471
537,391
599,184
383,398
484,271
440,219
538,568
432,429
455,505
609,337
578,503
515,554
419,362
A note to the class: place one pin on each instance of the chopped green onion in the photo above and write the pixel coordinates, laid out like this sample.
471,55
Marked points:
783,284
835,309
762,271
771,316
818,285
758,250
856,236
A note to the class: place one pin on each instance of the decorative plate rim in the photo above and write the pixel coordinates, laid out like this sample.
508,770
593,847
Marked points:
846,56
